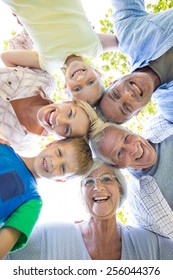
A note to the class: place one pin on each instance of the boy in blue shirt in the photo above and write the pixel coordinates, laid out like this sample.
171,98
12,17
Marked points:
20,202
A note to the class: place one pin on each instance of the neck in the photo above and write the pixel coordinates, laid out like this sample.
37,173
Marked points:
102,238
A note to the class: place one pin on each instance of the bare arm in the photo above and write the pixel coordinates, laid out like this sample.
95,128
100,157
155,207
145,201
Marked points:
109,42
8,238
26,58
4,142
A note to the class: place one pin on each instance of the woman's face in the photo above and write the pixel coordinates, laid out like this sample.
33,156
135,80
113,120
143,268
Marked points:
100,192
65,119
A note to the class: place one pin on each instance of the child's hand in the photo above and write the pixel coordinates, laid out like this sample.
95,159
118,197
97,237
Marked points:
4,142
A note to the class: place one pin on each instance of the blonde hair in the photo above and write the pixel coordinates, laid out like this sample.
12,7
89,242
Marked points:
83,154
95,121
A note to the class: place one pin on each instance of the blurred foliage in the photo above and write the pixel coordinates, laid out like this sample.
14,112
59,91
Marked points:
112,65
160,6
122,215
118,61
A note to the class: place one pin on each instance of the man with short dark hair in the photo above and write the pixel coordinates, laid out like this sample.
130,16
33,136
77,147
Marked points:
147,40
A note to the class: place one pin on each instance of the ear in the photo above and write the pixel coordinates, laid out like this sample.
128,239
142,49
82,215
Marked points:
60,180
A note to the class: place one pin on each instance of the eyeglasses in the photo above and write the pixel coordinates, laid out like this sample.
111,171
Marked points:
104,179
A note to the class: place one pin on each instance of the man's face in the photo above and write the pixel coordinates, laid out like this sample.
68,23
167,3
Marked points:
126,149
57,161
126,97
83,82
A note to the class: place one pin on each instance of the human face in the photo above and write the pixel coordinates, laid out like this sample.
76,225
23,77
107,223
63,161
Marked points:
83,82
65,119
101,199
126,149
57,161
127,96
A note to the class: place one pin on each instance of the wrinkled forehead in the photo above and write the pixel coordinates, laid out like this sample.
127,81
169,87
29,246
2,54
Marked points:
110,140
111,134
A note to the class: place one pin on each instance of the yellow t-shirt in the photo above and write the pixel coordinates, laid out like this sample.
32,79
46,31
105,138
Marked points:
58,28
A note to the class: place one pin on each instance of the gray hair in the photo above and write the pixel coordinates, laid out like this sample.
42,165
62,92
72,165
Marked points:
97,135
120,177
100,114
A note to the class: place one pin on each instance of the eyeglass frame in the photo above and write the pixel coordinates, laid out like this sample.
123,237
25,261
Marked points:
99,178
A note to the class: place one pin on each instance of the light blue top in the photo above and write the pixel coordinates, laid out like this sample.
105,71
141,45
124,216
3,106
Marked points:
63,241
144,37
150,195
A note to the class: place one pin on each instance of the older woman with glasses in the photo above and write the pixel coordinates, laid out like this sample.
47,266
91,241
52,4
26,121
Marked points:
100,237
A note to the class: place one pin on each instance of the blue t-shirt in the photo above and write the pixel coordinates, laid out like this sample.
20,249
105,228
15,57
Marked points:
17,184
145,37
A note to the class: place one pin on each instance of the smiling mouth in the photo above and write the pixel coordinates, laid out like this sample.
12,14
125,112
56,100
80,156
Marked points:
140,152
101,198
78,72
137,89
45,166
50,118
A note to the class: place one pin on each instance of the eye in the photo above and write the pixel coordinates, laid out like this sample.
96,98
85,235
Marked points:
89,182
70,113
106,179
126,108
91,82
59,153
67,130
77,89
120,153
62,167
115,95
126,139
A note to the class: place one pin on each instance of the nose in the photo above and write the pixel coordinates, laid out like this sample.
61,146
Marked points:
55,163
60,120
98,185
132,148
80,76
128,93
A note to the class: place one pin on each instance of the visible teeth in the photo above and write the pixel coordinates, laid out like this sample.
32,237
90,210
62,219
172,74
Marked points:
45,165
77,72
51,117
136,87
101,198
140,152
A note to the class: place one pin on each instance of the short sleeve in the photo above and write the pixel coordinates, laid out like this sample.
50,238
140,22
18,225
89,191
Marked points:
24,219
